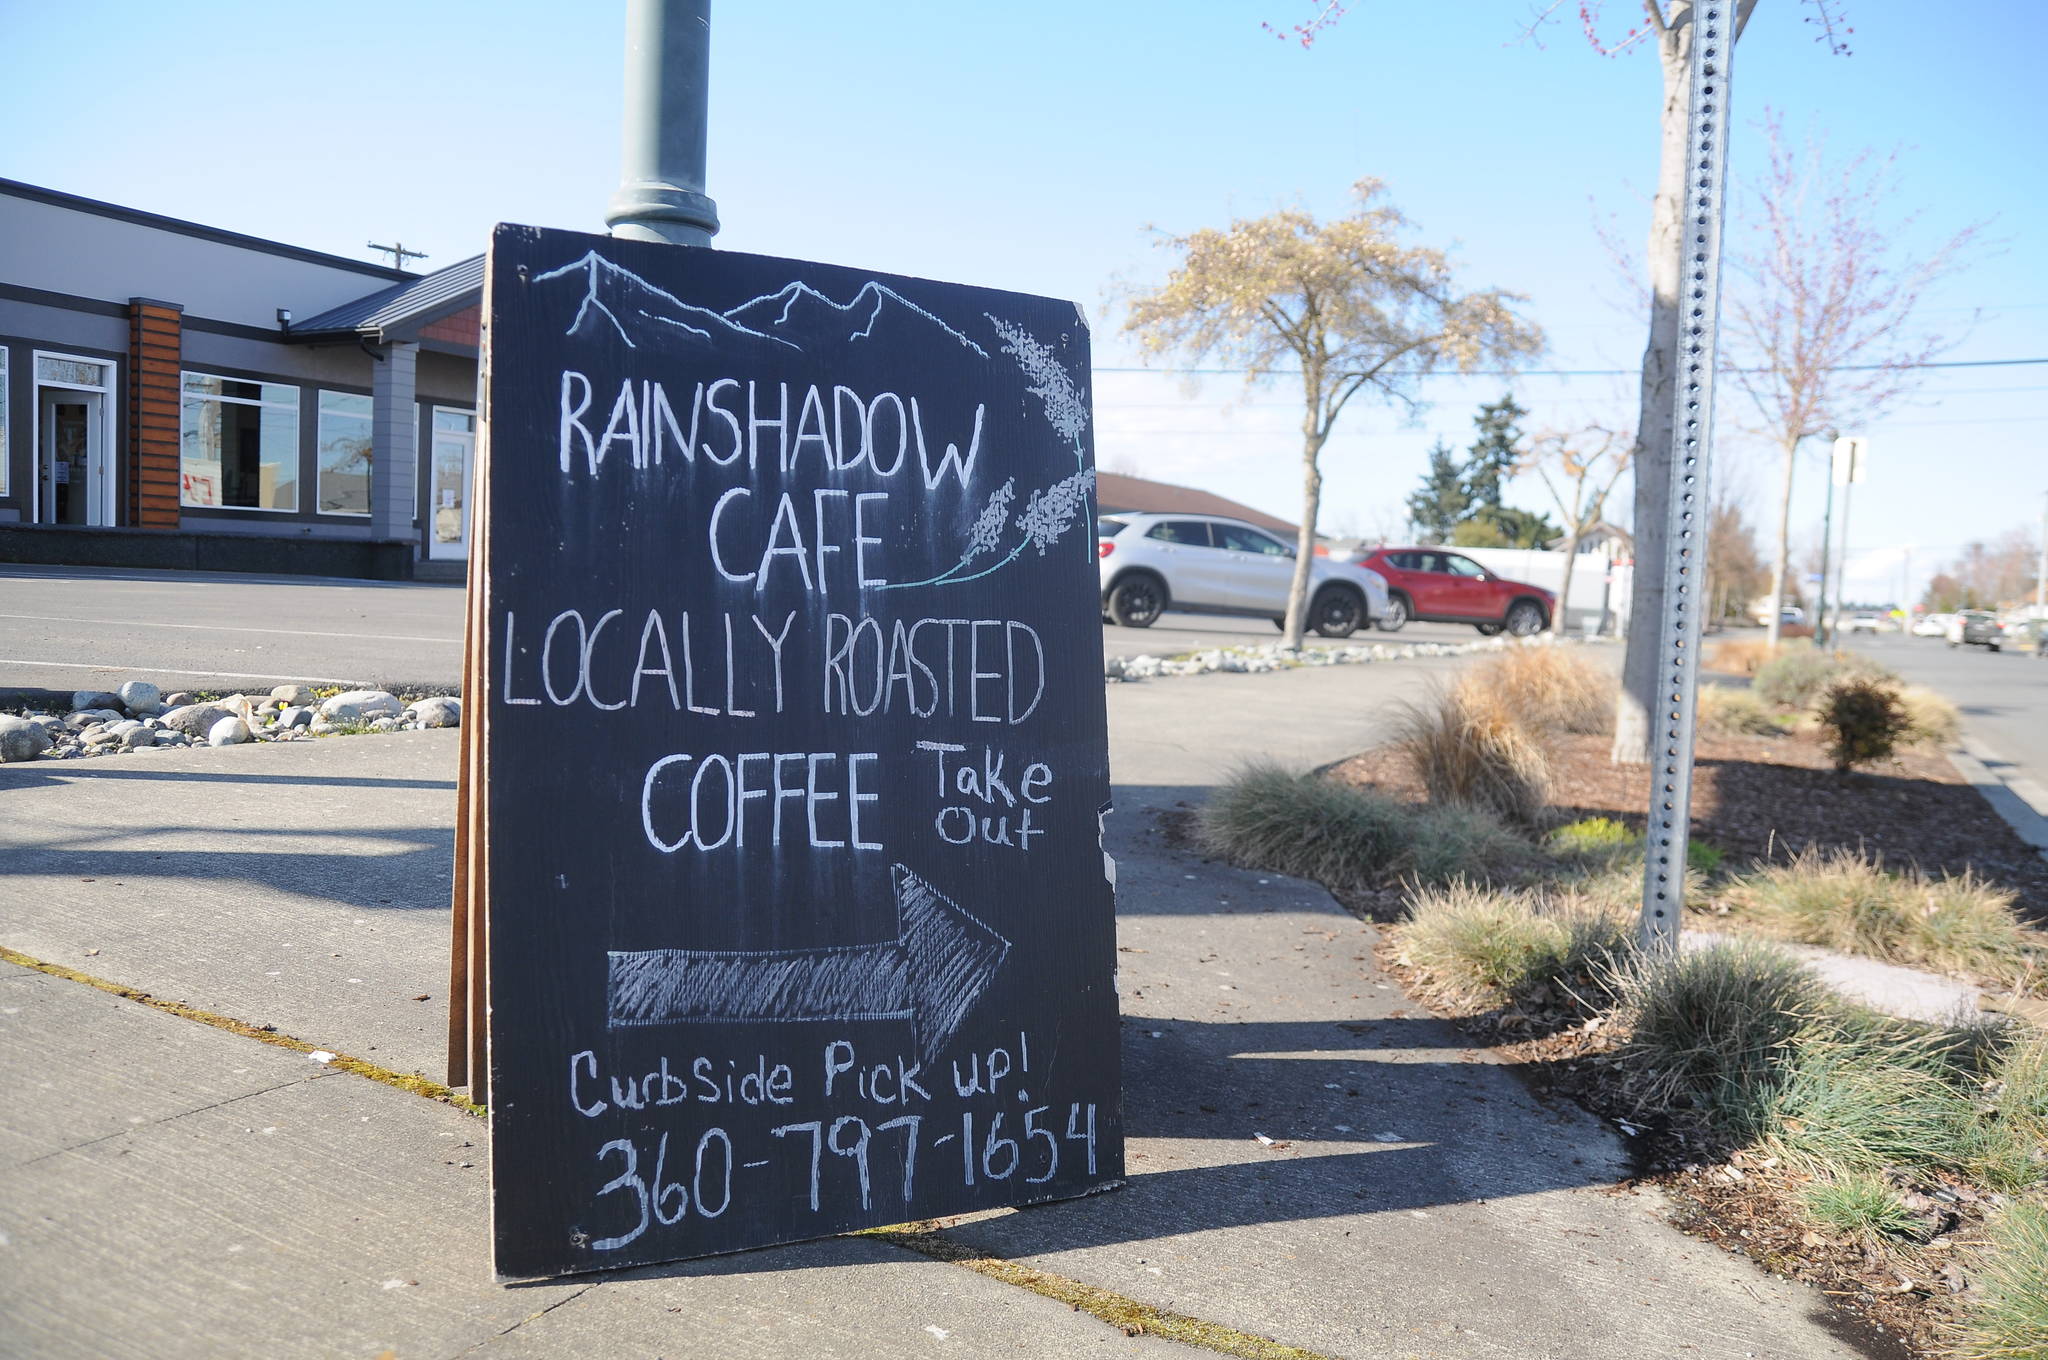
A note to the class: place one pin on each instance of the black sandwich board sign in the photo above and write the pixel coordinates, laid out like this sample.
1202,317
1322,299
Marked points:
785,809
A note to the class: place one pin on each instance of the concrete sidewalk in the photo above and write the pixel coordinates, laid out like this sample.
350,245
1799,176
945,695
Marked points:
169,1189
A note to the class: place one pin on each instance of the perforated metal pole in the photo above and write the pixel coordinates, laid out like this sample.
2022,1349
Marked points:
1685,564
661,172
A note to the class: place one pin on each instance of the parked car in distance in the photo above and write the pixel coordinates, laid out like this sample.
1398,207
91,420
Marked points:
1208,564
1790,613
1932,625
2029,635
1868,621
1976,628
1440,586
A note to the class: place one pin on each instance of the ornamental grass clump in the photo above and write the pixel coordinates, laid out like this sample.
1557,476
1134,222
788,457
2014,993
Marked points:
1482,946
1469,748
1716,1029
1728,712
1859,1206
2007,1316
1794,677
1931,720
1845,900
1269,817
1550,688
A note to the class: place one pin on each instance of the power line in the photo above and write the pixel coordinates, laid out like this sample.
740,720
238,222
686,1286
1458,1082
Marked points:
1577,372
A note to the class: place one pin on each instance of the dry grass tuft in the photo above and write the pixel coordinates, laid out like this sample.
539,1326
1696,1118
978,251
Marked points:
1931,719
1729,712
1847,901
1552,689
1738,656
1469,748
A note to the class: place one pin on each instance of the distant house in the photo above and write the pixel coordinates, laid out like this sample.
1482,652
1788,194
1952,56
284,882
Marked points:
174,394
1611,541
1114,491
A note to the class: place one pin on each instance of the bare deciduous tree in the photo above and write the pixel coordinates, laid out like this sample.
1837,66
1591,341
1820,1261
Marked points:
1579,469
1823,320
1347,301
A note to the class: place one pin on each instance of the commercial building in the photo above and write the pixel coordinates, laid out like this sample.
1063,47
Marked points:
177,395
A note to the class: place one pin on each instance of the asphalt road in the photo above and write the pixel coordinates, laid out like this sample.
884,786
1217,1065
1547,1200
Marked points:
2003,696
69,628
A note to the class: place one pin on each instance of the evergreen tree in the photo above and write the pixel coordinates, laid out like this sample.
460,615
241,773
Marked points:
1492,457
1437,508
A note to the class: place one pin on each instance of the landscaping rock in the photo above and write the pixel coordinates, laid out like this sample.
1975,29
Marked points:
293,696
95,698
52,725
195,720
229,731
177,700
167,737
441,711
21,739
362,705
137,737
294,718
86,717
141,698
384,724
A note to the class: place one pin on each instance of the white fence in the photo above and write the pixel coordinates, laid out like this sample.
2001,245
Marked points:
1600,590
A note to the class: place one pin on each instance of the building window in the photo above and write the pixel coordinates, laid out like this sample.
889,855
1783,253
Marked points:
4,460
344,454
240,442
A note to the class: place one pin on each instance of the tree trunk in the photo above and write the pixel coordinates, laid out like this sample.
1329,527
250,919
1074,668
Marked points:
1653,423
1305,540
1782,561
1564,591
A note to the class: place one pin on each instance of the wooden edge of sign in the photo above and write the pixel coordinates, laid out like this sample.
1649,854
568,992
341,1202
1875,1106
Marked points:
476,766
458,904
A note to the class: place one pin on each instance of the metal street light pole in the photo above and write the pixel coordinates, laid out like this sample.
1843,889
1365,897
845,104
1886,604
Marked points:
661,171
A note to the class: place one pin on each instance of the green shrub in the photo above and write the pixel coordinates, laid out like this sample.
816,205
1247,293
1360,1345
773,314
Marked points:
1594,837
1845,1107
1858,1206
1483,945
1469,747
2008,1317
1609,844
1846,901
1715,1029
1269,817
1864,720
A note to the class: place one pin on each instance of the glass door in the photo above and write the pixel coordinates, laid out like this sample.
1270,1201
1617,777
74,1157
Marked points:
454,449
74,474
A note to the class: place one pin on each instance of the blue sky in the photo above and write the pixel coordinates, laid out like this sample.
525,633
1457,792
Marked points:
1032,146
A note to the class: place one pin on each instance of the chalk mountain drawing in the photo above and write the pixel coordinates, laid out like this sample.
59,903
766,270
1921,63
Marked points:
801,308
931,974
618,301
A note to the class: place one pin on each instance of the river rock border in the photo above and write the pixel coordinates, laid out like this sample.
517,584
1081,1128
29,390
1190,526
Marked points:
1276,657
141,717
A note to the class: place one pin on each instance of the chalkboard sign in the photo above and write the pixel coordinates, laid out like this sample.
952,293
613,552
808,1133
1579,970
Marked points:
793,757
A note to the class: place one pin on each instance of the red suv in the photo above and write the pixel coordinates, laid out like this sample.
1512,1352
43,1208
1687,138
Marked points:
1446,587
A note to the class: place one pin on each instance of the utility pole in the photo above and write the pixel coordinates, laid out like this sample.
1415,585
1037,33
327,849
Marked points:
2041,565
1848,460
1827,549
398,253
661,168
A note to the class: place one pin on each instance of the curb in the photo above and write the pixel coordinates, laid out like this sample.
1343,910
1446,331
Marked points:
2020,801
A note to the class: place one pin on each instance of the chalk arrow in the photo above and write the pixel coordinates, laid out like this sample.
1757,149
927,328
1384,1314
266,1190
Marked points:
931,974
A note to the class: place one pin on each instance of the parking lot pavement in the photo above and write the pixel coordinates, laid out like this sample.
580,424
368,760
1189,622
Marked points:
68,628
65,629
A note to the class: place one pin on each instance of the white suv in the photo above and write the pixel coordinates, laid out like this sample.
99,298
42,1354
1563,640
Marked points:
1206,564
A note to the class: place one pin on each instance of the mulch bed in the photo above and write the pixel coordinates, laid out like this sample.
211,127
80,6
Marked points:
1760,798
